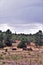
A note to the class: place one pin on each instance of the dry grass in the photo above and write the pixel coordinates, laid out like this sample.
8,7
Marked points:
23,57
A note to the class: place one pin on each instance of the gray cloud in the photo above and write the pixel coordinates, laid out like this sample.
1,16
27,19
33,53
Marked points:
24,28
15,12
18,11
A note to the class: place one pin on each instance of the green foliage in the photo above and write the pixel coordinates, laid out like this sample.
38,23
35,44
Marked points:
1,36
8,38
22,44
8,42
5,38
38,38
1,44
1,40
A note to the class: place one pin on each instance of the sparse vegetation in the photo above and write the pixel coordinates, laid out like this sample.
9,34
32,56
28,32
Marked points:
25,58
1,57
7,38
13,56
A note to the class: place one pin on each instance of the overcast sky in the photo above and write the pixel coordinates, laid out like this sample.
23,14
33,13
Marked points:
22,16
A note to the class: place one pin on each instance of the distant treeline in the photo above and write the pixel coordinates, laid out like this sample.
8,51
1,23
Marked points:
6,38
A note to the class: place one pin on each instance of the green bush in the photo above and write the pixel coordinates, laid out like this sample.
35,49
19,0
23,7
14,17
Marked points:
1,44
22,44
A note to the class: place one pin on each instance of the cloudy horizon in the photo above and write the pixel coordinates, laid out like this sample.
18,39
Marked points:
24,28
21,16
